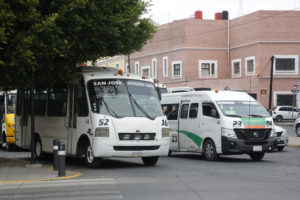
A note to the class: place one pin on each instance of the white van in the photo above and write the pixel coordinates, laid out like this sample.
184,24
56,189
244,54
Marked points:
214,123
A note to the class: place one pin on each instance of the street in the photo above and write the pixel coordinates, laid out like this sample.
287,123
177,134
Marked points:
181,176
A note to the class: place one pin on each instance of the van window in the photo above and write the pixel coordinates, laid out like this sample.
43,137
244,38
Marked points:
193,110
184,111
40,97
209,110
82,105
171,111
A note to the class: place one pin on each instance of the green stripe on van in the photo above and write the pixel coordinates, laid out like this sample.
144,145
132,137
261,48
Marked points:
196,139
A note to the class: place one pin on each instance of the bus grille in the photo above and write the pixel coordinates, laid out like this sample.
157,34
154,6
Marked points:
137,136
135,148
252,134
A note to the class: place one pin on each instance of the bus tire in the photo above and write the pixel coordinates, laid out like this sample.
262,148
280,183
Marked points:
38,150
90,160
209,151
257,156
150,161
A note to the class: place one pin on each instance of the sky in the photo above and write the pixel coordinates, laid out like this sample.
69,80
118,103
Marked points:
165,11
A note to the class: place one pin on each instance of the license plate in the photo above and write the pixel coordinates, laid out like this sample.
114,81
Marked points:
137,154
257,148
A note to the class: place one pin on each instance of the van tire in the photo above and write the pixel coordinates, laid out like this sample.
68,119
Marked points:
170,153
90,160
209,151
279,118
298,130
257,156
150,161
280,148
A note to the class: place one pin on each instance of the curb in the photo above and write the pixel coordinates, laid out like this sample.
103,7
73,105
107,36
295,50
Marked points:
73,175
294,146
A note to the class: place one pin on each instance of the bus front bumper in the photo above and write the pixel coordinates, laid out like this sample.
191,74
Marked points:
106,148
238,146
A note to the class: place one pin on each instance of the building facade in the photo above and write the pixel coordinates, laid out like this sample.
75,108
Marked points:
233,54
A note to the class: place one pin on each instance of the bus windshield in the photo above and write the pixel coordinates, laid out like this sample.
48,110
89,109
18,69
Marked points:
242,109
124,98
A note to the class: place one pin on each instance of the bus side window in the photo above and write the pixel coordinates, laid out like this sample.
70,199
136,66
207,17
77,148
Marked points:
57,105
209,110
193,110
184,111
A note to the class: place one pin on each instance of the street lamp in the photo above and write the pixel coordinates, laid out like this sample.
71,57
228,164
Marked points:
295,91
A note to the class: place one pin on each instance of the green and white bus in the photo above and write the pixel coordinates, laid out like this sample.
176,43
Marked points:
104,113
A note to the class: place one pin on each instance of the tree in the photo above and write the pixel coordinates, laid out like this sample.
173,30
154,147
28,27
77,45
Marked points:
49,37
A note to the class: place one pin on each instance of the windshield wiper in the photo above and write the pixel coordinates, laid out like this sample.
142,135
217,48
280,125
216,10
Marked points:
140,107
253,115
109,109
232,115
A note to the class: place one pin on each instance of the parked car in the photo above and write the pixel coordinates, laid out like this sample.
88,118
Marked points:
282,138
280,113
297,126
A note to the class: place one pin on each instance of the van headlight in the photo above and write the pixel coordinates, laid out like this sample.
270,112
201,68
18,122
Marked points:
228,133
272,133
102,132
165,132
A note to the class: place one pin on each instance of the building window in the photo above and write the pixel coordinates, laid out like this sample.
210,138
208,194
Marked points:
145,71
165,66
236,68
154,68
285,99
136,67
176,69
250,65
208,68
286,64
117,66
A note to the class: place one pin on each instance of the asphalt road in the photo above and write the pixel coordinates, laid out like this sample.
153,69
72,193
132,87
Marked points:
180,177
183,176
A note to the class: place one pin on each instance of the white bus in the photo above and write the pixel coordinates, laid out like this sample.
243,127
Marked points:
102,114
215,123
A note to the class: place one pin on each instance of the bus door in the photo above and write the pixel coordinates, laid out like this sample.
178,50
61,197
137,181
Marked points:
189,125
210,123
72,117
79,121
22,131
171,112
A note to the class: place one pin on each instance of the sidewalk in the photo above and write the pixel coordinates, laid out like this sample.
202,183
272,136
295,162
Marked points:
19,170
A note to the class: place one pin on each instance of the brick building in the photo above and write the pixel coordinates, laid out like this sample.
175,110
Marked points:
227,53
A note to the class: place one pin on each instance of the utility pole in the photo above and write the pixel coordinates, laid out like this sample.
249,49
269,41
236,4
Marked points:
271,82
128,63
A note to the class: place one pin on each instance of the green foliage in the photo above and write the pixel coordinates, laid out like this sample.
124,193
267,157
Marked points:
50,37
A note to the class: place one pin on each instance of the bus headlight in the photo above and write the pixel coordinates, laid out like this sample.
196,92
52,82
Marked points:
165,132
102,132
228,133
272,133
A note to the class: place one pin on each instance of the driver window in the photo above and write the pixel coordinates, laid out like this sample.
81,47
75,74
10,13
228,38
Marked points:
209,110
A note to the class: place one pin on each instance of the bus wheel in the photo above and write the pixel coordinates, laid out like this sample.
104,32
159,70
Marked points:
257,156
209,151
150,161
38,148
90,160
